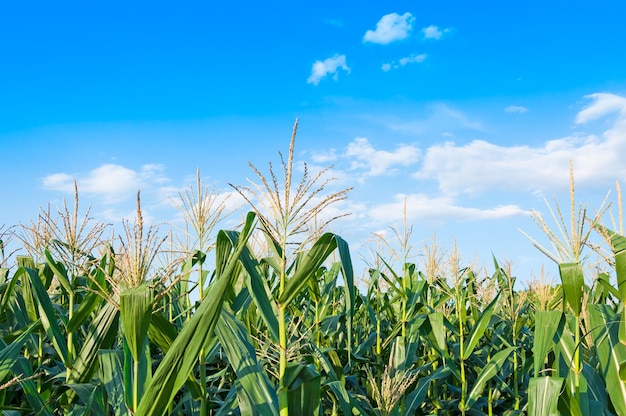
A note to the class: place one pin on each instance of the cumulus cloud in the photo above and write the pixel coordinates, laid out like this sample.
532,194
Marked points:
421,207
480,166
328,66
110,182
364,156
433,32
414,58
603,104
390,28
516,109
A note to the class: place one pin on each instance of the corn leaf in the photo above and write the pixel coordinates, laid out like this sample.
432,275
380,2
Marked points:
546,325
111,372
135,311
259,291
543,396
46,313
197,332
10,353
304,389
479,328
311,261
573,282
611,353
238,348
487,373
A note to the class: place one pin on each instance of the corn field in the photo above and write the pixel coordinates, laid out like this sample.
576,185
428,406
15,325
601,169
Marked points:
269,318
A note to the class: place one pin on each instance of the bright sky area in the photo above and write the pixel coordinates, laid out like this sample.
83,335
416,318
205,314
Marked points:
470,112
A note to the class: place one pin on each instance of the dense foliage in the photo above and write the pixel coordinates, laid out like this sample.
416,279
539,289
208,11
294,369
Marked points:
237,324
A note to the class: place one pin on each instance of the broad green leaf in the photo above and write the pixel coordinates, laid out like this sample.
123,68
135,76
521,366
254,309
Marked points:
260,292
93,299
304,389
100,335
137,374
311,261
479,328
92,397
60,272
111,372
487,373
610,352
543,396
573,282
11,352
40,408
437,331
46,313
349,290
135,311
182,356
546,325
242,357
415,399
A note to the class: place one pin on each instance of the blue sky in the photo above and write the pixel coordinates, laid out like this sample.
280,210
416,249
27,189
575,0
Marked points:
470,112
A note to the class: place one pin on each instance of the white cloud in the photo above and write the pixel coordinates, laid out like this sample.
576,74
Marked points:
603,104
379,162
414,58
421,207
390,28
480,166
516,109
324,157
110,182
433,32
328,66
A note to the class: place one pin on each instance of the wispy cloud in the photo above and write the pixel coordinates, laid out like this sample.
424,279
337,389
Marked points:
110,183
414,58
516,109
480,166
328,66
364,156
422,207
603,104
390,28
434,32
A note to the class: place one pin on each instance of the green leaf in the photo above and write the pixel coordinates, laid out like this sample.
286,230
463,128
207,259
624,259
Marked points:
543,396
47,315
101,334
60,272
242,357
487,373
135,311
31,393
11,352
310,262
111,372
479,328
182,356
415,399
610,352
304,389
437,332
546,325
260,292
573,282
